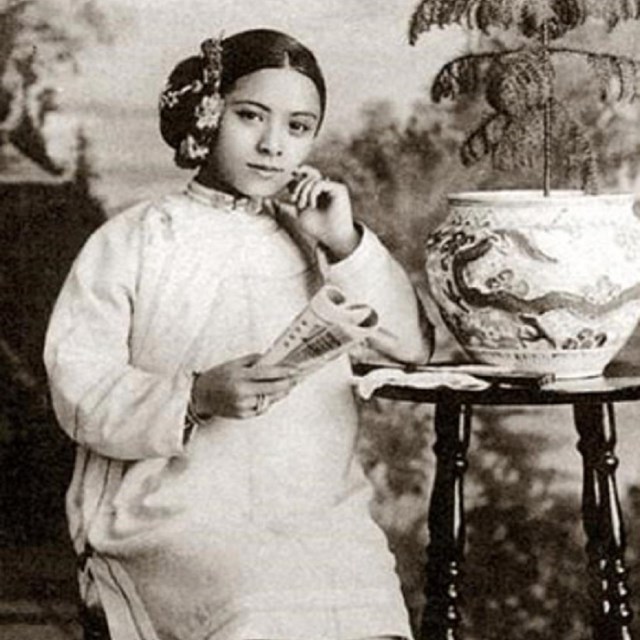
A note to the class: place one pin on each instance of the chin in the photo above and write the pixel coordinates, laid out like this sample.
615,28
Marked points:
260,190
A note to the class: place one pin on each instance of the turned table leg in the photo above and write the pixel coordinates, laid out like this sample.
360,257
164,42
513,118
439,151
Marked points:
603,523
445,552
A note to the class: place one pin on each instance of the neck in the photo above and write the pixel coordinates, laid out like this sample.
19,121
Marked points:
212,181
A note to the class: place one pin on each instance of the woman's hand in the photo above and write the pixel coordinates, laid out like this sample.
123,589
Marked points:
240,388
322,210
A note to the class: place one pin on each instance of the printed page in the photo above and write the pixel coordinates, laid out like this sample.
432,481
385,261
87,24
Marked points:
329,326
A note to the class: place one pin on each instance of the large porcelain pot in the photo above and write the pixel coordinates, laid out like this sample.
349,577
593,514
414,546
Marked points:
535,283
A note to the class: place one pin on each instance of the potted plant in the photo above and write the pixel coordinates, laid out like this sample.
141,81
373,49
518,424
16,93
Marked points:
543,280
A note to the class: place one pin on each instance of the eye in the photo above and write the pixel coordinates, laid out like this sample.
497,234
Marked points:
249,114
300,128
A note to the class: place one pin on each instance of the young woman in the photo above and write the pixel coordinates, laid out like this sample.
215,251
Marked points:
213,497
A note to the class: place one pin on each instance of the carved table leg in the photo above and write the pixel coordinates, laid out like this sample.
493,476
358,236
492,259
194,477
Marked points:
445,552
603,523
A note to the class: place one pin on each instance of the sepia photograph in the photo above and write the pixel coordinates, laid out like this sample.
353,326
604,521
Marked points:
319,319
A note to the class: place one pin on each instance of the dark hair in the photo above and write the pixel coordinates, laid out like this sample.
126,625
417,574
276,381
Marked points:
242,53
249,51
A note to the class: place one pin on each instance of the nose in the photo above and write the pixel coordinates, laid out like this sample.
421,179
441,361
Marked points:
271,141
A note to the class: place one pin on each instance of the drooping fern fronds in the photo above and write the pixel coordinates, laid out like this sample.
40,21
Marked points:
515,77
520,147
618,76
577,158
478,14
520,85
520,82
517,88
458,77
515,143
484,139
612,12
527,16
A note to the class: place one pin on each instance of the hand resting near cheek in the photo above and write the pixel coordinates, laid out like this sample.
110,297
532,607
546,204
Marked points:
321,210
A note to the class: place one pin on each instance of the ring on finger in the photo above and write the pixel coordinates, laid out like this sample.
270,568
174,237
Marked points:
262,403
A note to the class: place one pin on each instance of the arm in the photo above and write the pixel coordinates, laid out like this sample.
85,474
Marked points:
101,399
353,258
370,274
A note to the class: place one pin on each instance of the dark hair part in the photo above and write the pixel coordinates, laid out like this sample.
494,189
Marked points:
250,51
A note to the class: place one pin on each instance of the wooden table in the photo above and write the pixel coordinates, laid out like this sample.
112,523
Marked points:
593,401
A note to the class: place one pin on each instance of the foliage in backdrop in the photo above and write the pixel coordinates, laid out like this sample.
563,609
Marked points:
525,571
46,212
525,553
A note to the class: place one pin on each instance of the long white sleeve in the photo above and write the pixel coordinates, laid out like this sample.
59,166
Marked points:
371,275
101,399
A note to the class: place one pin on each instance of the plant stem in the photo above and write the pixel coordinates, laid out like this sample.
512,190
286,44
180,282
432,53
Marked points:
547,118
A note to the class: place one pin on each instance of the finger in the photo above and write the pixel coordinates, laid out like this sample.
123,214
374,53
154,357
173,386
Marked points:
249,412
259,373
246,361
270,207
296,196
247,405
278,396
260,403
286,209
269,388
301,175
264,402
306,171
307,189
252,407
318,192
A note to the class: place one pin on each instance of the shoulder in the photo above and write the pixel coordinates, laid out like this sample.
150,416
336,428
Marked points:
121,241
143,221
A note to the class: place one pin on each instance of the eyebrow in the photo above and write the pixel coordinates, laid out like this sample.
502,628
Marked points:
308,114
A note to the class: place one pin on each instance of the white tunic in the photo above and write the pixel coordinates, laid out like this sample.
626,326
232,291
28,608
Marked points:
253,529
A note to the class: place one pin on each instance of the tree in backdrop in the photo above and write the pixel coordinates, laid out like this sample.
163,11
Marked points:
525,540
39,39
528,114
46,213
400,171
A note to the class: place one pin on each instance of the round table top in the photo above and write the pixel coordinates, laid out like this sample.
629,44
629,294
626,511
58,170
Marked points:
620,383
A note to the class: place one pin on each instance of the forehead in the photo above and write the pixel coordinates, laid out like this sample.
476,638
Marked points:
278,89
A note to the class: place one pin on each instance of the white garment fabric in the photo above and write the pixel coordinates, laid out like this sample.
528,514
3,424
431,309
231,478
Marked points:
252,529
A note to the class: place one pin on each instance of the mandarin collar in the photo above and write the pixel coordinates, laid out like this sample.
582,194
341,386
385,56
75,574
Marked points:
225,201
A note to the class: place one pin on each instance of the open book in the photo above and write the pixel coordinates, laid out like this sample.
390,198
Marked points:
327,327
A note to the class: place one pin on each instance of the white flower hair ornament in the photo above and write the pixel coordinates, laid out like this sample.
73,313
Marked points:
191,108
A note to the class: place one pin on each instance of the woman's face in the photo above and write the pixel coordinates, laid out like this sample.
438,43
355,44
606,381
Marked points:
266,131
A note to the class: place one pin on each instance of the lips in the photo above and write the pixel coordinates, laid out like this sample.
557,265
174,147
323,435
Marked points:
264,170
